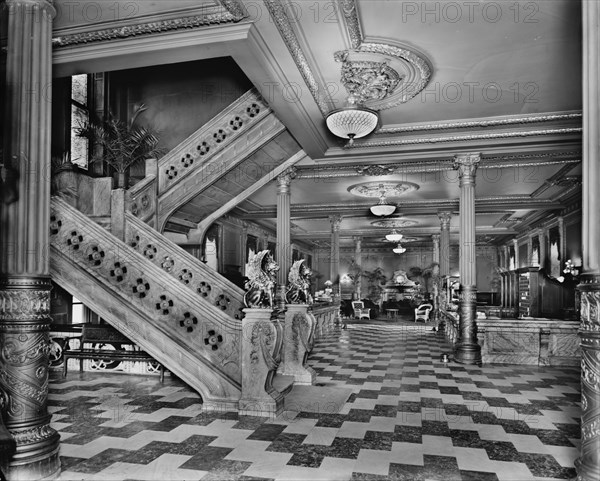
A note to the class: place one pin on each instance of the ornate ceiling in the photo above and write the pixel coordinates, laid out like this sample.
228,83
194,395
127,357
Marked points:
499,78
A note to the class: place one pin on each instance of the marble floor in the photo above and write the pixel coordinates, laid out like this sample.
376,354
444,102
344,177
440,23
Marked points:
409,417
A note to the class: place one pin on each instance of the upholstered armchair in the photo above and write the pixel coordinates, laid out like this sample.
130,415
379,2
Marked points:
360,311
422,312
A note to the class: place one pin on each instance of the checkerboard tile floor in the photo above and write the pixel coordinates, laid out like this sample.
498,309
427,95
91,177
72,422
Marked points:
410,417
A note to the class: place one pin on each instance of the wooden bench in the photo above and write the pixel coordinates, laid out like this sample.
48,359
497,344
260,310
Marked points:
103,335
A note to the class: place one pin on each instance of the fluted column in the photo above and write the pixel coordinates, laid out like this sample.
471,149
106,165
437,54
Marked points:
283,249
467,350
334,266
358,262
588,463
436,247
24,264
445,243
243,247
436,279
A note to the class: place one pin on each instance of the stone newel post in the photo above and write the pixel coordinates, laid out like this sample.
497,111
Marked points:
261,348
298,335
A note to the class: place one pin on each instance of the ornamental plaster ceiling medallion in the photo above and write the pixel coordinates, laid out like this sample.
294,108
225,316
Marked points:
379,189
381,75
403,241
394,223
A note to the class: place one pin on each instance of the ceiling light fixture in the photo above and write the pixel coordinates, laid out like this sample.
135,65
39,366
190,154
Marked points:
352,121
383,208
395,236
399,249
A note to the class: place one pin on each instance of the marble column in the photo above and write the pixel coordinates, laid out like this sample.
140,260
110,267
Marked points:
283,254
334,266
445,243
358,262
243,247
588,463
24,264
467,351
516,247
529,251
436,279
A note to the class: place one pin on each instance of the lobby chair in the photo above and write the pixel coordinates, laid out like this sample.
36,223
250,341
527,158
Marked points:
422,312
360,311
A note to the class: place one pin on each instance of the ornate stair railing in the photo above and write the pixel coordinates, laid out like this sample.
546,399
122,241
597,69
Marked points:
184,267
212,151
197,341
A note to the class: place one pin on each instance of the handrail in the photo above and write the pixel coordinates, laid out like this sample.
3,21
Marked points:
197,341
184,267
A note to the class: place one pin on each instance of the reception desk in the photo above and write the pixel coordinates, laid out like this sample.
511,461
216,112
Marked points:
532,341
543,342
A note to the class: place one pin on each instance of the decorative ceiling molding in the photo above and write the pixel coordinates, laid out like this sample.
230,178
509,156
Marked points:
382,189
358,144
381,75
286,30
481,123
349,10
395,223
436,165
559,179
231,11
368,80
413,231
483,205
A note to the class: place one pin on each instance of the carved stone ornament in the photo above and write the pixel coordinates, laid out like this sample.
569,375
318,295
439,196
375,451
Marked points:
590,310
298,289
260,287
263,340
379,189
24,304
383,75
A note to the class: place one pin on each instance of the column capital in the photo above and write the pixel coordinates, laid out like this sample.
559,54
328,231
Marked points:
33,3
285,179
357,238
435,238
445,217
335,221
466,164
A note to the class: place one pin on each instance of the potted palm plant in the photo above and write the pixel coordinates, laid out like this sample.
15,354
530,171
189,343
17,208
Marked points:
121,144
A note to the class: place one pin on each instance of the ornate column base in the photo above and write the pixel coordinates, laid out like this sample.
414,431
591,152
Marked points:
24,345
298,338
261,349
467,350
588,463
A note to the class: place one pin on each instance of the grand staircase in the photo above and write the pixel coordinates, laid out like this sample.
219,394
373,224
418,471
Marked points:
180,311
192,337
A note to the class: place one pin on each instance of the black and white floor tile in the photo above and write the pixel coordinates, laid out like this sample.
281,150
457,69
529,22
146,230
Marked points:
409,417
